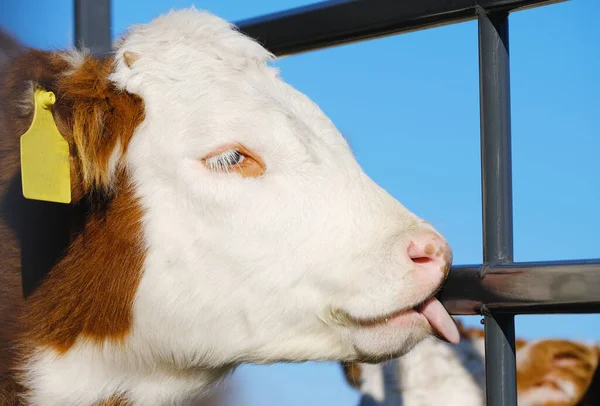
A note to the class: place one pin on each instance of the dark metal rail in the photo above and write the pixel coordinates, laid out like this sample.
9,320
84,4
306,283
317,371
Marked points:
499,289
93,25
496,188
525,288
337,22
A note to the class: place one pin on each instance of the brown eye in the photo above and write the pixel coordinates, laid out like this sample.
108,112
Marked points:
235,159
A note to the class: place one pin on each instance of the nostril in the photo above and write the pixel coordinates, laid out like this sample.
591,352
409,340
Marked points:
429,251
420,253
422,260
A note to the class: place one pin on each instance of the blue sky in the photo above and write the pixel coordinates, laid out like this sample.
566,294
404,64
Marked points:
418,93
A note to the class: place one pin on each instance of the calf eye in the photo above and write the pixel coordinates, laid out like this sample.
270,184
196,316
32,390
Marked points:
224,161
235,158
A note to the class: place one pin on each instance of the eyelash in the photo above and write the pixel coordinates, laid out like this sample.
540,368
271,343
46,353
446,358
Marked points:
225,160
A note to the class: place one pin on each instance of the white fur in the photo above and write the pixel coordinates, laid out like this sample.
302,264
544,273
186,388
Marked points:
74,58
373,383
240,269
433,373
524,353
544,395
67,381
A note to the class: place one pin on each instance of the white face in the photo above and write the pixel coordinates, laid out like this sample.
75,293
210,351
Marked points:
266,240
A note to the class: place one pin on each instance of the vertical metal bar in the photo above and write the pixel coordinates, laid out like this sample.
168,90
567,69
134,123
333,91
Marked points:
500,369
494,82
93,26
391,384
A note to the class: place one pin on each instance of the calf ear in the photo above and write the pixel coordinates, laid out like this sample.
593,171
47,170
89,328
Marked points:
95,118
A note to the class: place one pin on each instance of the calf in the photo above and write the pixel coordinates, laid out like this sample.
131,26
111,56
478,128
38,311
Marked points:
549,373
225,220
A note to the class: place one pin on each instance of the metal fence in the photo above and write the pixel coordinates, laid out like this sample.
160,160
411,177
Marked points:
498,289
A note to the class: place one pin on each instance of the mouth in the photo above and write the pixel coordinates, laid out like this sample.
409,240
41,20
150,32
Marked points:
430,309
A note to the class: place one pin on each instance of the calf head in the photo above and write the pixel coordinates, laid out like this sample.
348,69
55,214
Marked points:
235,224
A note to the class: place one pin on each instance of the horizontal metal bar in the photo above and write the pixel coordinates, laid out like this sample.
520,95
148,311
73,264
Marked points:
524,288
337,22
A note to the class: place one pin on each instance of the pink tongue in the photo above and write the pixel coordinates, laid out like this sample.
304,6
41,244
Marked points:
440,320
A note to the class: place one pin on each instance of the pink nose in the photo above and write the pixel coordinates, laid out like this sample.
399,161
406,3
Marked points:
431,253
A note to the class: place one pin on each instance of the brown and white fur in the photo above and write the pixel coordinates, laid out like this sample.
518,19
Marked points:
550,372
217,217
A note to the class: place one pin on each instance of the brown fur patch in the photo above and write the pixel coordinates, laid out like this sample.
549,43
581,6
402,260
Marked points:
520,343
552,361
9,392
114,401
352,373
91,290
92,248
102,118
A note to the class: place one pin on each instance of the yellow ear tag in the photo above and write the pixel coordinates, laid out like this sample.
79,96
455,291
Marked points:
45,166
